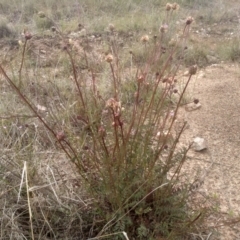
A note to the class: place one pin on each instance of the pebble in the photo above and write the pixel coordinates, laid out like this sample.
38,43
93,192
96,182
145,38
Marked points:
199,144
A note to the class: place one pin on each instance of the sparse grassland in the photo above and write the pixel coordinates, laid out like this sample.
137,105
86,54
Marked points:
90,98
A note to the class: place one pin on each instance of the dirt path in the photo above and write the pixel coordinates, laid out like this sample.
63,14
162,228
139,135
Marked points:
218,121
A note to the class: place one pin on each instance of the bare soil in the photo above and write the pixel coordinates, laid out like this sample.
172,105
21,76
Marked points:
218,122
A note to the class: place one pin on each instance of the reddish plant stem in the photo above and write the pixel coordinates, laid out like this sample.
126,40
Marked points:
22,60
115,82
75,78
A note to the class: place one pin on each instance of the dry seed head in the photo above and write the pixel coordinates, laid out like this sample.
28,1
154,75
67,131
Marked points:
196,101
192,70
80,26
41,14
113,104
172,42
27,35
65,47
165,147
145,38
163,28
164,80
189,20
140,79
109,58
110,102
53,29
175,6
168,6
175,90
111,27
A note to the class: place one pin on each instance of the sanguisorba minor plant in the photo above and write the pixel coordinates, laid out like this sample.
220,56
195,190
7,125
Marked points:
126,151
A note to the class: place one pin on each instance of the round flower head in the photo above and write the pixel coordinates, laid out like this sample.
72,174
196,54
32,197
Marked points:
109,58
175,6
192,70
189,20
168,6
53,29
145,38
163,28
27,35
140,79
196,101
41,14
111,27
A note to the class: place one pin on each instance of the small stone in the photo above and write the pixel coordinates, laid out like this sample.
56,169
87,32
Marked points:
41,108
199,144
192,107
201,74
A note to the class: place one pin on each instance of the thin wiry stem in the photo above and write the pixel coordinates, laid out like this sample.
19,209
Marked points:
75,78
114,82
22,60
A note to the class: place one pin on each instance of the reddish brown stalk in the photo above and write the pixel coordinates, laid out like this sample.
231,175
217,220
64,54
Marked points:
182,160
116,137
115,82
151,167
178,104
105,147
75,78
122,132
134,111
160,104
22,60
153,58
156,86
94,89
173,120
115,52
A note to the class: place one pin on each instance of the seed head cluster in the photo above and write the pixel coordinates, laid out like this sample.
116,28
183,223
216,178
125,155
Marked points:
192,70
145,39
109,58
189,20
171,6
